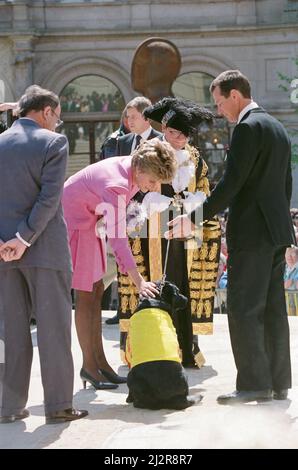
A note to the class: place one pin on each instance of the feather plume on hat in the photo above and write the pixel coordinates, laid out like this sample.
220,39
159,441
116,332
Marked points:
181,114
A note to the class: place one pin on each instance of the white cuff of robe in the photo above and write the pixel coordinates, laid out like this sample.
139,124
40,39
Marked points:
22,240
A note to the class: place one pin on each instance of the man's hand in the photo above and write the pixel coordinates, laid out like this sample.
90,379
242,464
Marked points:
12,250
1,243
7,106
182,227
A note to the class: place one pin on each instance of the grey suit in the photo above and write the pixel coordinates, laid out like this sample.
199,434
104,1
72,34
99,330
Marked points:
33,162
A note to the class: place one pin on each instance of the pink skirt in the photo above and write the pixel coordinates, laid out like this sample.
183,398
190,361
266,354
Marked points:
89,258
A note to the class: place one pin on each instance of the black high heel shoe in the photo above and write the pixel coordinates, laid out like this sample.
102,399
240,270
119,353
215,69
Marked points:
97,384
112,377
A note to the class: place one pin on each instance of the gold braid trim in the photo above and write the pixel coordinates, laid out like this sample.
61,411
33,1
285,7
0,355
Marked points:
202,328
213,252
136,247
198,265
133,303
124,325
203,284
202,263
214,234
127,291
201,295
194,156
200,184
193,153
198,275
130,290
124,280
203,183
123,302
203,276
155,256
199,359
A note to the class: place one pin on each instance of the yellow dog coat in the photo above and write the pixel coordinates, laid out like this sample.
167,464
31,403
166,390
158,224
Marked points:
152,337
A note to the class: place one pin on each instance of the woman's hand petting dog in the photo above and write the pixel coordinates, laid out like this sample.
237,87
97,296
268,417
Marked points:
148,289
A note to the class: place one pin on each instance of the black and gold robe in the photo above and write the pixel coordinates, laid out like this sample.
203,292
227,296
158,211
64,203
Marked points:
193,270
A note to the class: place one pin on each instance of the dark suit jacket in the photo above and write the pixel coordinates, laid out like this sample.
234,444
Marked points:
125,142
33,162
256,185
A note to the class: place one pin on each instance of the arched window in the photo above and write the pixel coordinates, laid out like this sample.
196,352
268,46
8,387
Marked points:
91,109
194,86
91,93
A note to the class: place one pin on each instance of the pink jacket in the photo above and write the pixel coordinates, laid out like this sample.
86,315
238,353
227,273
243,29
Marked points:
106,188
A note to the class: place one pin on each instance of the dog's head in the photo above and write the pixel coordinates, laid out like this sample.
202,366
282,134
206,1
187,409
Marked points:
169,300
170,295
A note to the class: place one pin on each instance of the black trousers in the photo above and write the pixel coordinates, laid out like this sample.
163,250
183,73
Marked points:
258,320
177,273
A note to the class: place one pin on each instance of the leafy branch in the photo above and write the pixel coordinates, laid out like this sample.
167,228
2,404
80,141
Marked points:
286,87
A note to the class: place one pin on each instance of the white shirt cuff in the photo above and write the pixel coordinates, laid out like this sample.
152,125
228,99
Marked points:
22,240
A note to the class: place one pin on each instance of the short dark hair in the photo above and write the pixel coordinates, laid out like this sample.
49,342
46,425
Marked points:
36,98
232,80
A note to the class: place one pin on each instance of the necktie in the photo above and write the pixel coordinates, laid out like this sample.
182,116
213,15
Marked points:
138,140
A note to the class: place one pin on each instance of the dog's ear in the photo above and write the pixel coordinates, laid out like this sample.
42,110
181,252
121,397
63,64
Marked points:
172,296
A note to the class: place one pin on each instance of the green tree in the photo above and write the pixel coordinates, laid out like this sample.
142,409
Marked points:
290,85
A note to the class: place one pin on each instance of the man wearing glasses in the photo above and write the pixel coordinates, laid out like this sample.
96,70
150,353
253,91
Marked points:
35,266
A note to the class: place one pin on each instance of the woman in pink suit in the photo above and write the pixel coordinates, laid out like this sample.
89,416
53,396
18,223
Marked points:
98,196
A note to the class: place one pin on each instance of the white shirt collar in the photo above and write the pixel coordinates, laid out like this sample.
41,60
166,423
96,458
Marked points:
247,108
146,133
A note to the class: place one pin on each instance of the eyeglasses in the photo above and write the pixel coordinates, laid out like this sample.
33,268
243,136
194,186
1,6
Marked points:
59,121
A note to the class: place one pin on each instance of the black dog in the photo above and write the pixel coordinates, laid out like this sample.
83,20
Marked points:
157,379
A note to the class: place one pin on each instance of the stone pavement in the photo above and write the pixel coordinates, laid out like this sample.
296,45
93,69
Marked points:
113,424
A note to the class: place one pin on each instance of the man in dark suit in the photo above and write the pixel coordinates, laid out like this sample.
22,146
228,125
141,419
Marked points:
256,186
35,266
140,130
109,146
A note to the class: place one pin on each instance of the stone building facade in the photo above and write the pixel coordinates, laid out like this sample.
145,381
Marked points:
53,42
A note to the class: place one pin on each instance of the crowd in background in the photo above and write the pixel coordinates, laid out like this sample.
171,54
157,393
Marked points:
73,102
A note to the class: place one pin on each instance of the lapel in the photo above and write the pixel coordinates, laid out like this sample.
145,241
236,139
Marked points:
154,133
128,144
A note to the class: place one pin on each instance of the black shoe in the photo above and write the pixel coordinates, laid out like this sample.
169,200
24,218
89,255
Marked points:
280,394
190,365
12,418
97,384
113,320
245,397
112,377
63,416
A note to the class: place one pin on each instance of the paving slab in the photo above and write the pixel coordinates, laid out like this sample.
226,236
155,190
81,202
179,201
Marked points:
114,424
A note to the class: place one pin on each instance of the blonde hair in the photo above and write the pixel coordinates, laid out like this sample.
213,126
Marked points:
157,158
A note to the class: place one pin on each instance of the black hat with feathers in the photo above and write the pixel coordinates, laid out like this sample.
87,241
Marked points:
181,114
